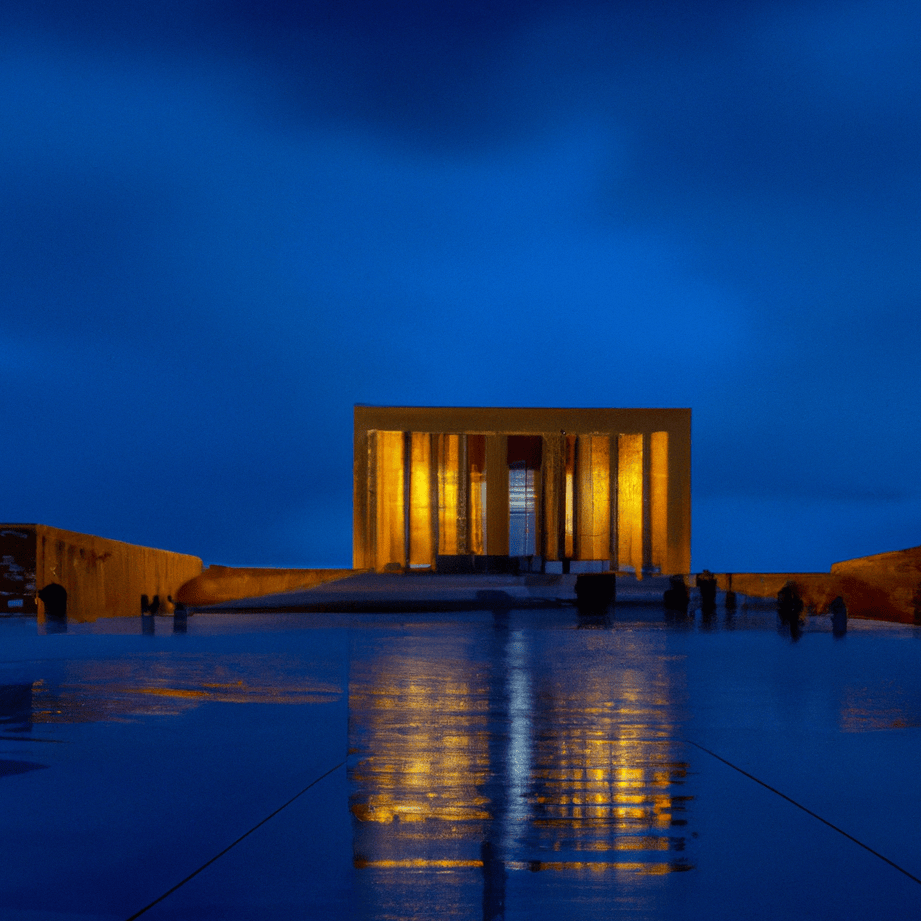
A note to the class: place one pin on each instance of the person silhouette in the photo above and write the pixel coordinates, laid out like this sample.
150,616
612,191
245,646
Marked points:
706,583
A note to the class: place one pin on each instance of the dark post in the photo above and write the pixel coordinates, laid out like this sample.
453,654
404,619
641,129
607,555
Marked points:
54,598
676,595
706,583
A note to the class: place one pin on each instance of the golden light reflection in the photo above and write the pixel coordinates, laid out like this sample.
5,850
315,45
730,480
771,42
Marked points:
127,689
414,864
534,866
607,779
580,774
892,707
599,866
426,749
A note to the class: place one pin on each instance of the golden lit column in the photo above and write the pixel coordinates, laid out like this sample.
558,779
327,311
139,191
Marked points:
390,519
476,492
448,467
553,498
497,494
679,495
658,499
569,496
594,516
463,495
630,502
421,550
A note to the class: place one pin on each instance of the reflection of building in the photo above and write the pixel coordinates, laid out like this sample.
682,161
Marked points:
125,689
478,756
608,774
610,485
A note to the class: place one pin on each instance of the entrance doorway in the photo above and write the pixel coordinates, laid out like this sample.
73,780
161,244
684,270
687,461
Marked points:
524,459
522,511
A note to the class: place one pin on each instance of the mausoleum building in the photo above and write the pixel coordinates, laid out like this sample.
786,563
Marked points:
604,486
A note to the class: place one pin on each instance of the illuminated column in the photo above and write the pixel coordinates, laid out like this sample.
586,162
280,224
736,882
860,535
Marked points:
630,502
569,496
476,494
658,499
449,517
463,495
497,495
553,498
679,496
594,500
420,500
390,521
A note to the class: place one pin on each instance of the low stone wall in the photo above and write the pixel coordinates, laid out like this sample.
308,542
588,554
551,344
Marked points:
107,578
219,584
888,581
885,586
102,577
817,589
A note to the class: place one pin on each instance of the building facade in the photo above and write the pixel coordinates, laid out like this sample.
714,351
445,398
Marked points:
603,485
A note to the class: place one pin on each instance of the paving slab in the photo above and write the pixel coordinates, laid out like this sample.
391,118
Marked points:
516,763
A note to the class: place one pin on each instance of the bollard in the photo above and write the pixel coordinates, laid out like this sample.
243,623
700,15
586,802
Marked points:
838,611
676,596
180,617
54,598
706,583
595,590
789,602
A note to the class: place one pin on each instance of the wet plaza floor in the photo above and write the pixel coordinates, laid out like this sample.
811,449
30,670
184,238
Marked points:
508,764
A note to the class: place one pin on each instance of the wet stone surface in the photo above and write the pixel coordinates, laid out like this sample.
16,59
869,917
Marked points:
515,764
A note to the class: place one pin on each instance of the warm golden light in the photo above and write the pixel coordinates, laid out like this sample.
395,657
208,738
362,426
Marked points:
449,513
608,486
645,869
534,866
630,502
593,463
476,456
414,864
580,774
658,499
429,751
389,501
570,476
420,500
163,686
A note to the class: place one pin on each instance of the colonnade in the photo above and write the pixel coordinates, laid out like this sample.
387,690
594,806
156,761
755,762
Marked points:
616,497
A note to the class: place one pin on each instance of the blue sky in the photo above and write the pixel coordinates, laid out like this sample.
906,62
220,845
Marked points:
228,222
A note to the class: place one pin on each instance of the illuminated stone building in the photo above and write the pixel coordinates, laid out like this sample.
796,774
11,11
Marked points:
608,486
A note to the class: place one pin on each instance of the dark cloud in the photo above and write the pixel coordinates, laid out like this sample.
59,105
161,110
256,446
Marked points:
227,222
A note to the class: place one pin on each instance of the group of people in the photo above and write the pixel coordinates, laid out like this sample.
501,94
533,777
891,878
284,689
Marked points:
677,597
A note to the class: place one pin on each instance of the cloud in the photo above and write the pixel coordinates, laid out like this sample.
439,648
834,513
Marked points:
228,222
